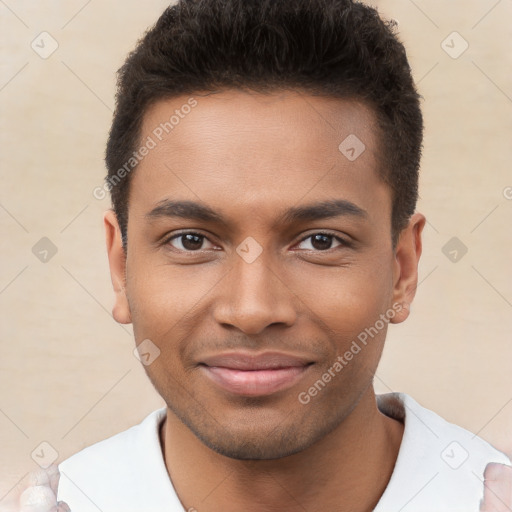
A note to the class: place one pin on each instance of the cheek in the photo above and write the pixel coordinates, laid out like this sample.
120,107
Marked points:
164,300
346,299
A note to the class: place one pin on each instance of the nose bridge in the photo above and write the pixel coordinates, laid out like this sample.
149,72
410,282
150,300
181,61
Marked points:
253,296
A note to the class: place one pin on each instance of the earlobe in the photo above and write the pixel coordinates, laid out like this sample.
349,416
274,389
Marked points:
402,311
405,274
117,264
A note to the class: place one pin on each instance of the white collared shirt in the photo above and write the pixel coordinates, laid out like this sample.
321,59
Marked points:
439,467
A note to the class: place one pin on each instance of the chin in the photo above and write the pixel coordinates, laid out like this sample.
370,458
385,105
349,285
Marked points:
258,441
253,449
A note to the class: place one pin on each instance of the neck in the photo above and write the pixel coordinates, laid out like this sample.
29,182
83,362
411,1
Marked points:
347,470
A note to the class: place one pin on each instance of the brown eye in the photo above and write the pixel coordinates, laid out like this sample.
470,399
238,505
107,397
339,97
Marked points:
188,242
322,241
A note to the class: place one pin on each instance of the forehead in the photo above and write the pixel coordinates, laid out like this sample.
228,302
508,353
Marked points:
284,120
260,150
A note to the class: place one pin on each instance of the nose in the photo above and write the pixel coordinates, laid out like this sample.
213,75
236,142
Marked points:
253,296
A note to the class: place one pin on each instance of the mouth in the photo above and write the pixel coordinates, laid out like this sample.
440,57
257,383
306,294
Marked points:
255,375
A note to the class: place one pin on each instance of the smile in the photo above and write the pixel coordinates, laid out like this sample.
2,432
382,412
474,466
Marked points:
249,375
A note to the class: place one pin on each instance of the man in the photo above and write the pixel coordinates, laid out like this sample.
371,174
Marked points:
263,167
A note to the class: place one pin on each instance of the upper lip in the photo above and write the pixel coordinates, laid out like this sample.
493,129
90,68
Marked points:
264,361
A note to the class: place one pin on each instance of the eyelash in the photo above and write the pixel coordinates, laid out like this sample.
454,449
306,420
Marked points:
343,242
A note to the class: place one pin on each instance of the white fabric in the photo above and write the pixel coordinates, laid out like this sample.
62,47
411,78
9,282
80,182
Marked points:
439,467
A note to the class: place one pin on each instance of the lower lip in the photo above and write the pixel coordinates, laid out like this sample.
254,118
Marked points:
255,382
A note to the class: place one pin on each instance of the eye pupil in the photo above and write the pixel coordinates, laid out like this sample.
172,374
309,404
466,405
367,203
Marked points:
191,241
325,241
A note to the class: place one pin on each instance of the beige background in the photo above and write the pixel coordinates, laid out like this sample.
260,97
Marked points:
67,372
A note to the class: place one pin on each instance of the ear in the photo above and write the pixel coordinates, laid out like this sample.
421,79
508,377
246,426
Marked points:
405,272
117,263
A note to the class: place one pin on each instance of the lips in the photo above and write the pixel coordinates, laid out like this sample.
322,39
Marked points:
255,375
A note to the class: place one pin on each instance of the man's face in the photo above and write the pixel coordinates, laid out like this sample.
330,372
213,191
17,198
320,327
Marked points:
296,290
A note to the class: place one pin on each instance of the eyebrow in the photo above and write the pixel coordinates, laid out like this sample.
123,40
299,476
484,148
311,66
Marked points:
314,211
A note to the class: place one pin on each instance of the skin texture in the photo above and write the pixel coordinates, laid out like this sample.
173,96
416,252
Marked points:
249,157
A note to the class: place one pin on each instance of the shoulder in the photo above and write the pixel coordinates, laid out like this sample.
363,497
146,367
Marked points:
440,465
124,445
462,445
112,474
